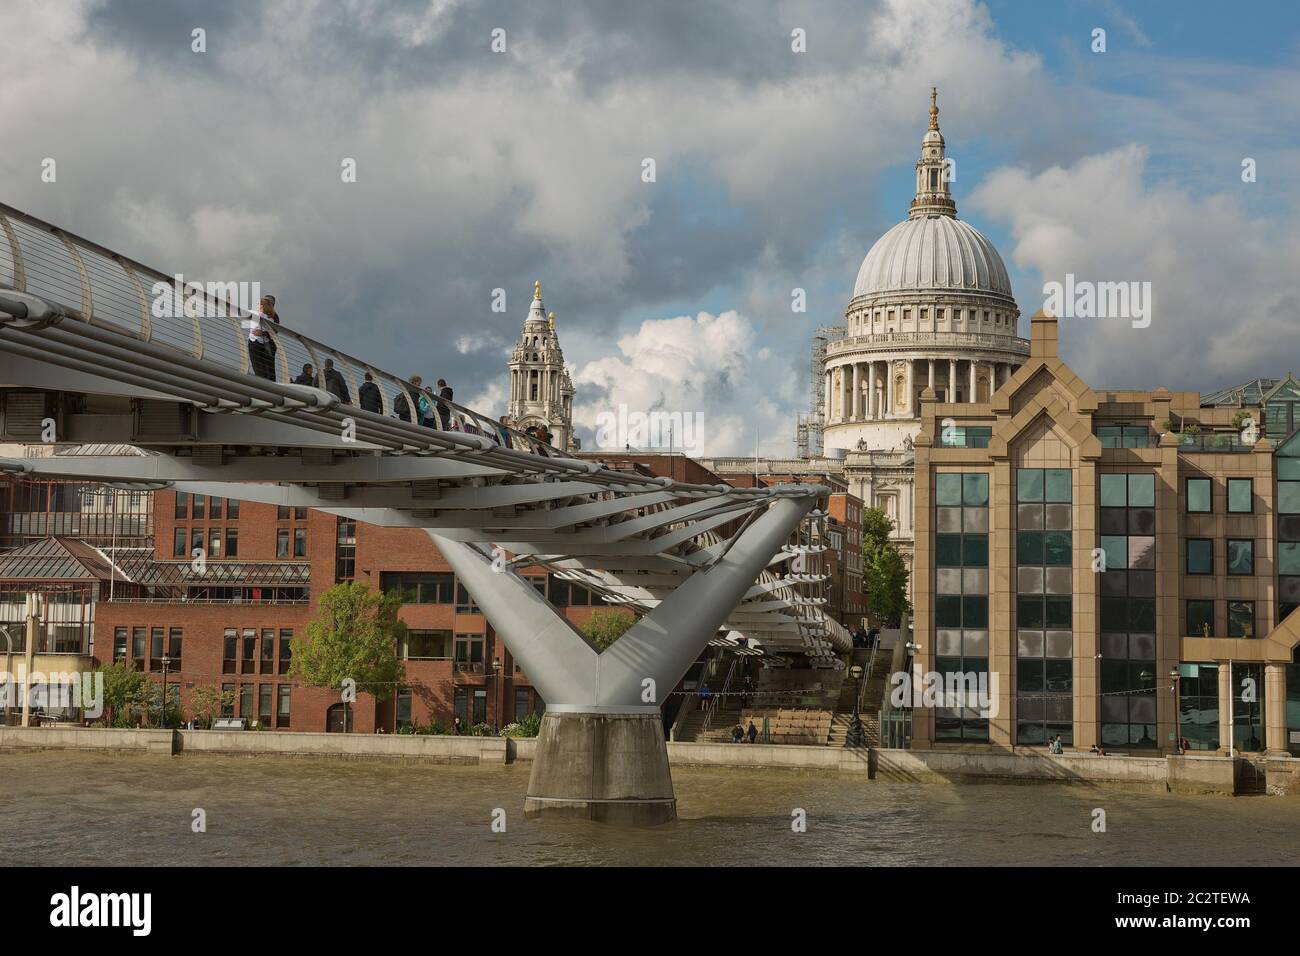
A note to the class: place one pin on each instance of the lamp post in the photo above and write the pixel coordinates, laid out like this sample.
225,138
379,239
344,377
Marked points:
162,703
501,697
1178,729
856,736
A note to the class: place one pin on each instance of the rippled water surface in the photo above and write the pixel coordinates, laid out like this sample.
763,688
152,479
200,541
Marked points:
77,808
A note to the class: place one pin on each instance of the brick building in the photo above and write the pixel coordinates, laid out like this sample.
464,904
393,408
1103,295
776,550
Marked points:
228,620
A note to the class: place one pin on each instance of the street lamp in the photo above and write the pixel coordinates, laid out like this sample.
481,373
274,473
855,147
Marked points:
162,705
856,736
501,694
1178,728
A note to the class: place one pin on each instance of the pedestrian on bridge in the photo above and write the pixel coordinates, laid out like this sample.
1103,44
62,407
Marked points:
307,376
369,395
407,401
261,344
335,384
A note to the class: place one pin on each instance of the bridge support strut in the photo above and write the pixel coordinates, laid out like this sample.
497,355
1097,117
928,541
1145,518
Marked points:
601,753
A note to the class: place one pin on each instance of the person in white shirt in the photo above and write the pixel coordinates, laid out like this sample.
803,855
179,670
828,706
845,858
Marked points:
261,344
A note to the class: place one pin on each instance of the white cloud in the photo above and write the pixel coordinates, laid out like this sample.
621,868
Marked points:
1223,282
707,365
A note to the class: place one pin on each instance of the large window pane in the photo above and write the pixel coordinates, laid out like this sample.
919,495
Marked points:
1198,495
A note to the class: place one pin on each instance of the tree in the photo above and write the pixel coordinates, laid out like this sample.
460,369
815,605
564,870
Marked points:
355,637
208,702
603,628
884,572
125,689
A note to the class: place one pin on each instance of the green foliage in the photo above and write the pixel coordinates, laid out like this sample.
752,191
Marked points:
876,528
207,703
884,572
355,635
527,727
126,693
433,729
604,627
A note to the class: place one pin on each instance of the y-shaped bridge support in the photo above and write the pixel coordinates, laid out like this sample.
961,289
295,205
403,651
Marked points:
601,753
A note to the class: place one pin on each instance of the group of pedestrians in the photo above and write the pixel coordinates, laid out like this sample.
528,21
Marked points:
415,402
740,735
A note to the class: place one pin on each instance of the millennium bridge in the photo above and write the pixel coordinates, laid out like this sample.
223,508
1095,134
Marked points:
85,358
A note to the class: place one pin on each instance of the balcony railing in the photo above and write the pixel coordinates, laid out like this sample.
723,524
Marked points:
1213,443
960,340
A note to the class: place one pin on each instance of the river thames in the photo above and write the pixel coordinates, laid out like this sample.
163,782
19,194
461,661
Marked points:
91,809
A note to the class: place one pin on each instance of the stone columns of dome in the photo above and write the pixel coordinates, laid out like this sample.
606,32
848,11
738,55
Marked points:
952,380
826,401
973,396
873,406
911,388
929,373
889,389
856,405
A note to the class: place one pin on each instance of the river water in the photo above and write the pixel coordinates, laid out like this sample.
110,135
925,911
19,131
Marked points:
90,809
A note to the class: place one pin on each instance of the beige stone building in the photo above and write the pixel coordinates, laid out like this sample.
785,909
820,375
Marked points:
1120,564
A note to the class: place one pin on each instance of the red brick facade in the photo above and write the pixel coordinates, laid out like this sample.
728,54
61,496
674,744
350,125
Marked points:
497,696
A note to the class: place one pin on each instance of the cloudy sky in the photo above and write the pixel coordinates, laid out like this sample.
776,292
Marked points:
775,170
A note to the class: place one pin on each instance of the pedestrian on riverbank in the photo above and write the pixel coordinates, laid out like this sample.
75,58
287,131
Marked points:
737,734
752,733
705,693
455,726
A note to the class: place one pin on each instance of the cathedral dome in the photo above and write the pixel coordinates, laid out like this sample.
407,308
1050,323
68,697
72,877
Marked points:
932,253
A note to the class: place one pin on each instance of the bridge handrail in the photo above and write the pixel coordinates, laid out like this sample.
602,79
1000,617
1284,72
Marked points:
87,261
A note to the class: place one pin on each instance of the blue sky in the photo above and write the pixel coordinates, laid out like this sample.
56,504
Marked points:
776,170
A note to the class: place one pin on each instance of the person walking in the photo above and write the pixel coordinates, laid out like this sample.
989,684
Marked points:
428,417
752,733
444,410
306,377
455,726
261,344
407,401
335,384
368,394
705,693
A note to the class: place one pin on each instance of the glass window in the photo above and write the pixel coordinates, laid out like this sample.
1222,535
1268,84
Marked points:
178,542
428,645
282,543
1029,484
232,508
1141,491
1114,491
281,512
1200,619
1057,484
214,542
200,506
1198,496
1288,497
1241,495
1200,556
947,490
1241,618
182,504
1288,557
1241,557
975,490
246,701
119,644
214,508
300,542
232,542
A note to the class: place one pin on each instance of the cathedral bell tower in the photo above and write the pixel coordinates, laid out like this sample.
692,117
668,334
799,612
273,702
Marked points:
541,392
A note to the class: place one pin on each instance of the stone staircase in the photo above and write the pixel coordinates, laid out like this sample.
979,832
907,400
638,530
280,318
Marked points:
725,717
877,683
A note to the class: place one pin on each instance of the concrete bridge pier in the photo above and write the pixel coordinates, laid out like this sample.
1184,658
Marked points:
601,753
609,767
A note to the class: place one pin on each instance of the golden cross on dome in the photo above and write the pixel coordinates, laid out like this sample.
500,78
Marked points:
537,290
934,107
